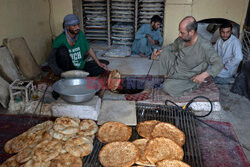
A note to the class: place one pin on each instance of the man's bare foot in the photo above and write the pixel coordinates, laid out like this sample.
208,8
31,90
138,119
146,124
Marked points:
142,55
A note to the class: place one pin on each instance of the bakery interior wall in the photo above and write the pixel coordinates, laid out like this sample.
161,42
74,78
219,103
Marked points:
175,10
30,19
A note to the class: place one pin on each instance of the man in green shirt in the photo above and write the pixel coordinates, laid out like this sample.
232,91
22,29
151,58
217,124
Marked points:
188,61
69,49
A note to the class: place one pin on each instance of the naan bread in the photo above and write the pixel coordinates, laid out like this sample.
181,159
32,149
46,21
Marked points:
11,162
114,131
171,163
114,80
66,160
169,131
59,136
48,149
141,145
24,155
161,148
29,138
36,163
79,146
118,154
88,127
67,125
145,128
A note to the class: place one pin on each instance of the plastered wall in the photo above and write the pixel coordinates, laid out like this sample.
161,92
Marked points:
30,19
38,21
59,9
175,10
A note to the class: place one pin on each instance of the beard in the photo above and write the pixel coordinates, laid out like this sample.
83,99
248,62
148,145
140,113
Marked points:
75,32
154,28
224,39
187,39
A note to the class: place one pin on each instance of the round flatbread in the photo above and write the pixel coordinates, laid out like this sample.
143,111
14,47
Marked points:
145,128
79,146
169,131
48,149
171,163
122,154
141,145
114,80
114,131
161,148
88,127
66,160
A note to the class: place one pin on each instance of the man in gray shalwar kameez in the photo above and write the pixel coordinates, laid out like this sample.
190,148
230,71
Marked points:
188,61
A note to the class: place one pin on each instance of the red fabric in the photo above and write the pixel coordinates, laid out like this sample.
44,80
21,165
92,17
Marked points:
138,96
218,150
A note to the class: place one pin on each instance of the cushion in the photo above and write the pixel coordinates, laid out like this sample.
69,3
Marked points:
4,92
23,57
8,69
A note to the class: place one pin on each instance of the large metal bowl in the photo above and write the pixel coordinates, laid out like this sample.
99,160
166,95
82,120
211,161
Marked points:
74,90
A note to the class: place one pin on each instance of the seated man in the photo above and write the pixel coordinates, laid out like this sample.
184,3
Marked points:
188,61
69,49
230,49
147,37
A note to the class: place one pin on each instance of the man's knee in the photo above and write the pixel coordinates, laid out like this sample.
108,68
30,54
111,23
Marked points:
62,51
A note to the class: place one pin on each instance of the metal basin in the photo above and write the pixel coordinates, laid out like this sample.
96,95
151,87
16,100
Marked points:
74,90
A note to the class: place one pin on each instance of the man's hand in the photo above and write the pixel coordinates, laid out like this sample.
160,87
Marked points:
151,41
225,67
200,78
156,42
157,53
104,66
92,54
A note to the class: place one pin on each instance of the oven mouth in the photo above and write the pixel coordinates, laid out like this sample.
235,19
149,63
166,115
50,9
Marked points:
130,85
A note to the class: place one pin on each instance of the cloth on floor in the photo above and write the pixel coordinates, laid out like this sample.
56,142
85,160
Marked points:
216,149
144,95
207,89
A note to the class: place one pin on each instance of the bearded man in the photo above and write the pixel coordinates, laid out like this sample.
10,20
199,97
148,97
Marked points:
188,61
69,49
147,37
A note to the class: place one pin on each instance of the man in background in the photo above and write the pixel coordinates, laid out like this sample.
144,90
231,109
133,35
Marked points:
147,37
188,61
229,48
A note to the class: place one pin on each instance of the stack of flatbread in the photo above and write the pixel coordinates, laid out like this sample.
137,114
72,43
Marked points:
52,144
117,152
161,145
